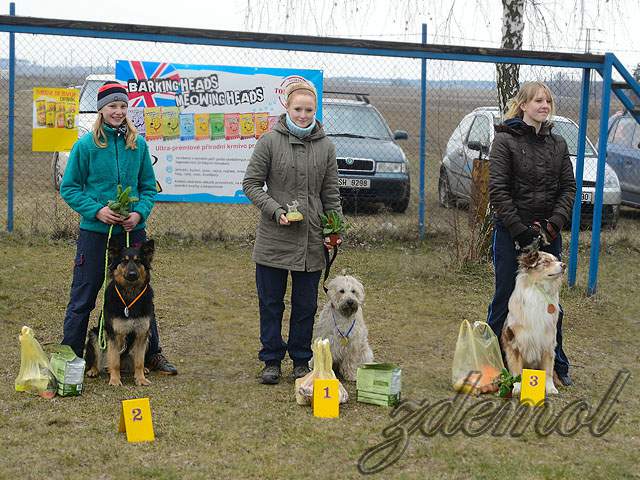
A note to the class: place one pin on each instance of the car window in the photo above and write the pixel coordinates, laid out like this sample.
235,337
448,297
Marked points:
624,131
480,130
355,120
459,133
89,95
569,131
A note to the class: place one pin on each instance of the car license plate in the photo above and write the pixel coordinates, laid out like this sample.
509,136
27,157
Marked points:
354,182
587,197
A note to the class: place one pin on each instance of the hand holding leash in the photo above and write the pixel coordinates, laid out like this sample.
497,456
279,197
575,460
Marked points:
528,240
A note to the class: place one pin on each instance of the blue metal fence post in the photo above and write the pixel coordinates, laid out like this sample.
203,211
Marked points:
10,146
577,204
602,155
423,134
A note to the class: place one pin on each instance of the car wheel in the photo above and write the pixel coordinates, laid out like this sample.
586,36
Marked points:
401,205
56,171
446,199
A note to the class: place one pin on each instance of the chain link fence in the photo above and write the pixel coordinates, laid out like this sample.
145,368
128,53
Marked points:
371,110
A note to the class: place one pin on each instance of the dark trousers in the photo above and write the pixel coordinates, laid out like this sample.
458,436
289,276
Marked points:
506,268
272,285
88,276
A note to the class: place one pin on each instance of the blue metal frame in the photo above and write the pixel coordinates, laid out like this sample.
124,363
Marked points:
577,204
602,156
11,121
383,52
423,135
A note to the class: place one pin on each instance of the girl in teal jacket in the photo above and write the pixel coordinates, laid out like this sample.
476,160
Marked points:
112,154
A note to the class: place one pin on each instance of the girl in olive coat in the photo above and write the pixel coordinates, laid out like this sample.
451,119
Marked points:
298,163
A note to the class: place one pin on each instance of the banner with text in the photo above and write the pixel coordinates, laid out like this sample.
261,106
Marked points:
55,119
202,122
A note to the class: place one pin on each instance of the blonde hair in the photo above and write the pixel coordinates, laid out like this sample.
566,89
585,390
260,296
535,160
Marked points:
100,138
300,87
526,93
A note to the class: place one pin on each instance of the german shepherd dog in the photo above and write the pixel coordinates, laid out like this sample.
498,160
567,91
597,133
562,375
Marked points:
128,310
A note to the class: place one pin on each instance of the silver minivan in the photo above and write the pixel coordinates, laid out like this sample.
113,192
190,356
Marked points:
472,139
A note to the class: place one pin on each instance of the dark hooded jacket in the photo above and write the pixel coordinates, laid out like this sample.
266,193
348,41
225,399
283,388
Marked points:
293,169
530,176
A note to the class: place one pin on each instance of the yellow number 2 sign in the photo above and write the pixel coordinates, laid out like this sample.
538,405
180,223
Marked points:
135,419
325,398
533,384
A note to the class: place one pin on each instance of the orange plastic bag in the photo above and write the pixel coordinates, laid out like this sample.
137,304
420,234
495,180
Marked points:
477,361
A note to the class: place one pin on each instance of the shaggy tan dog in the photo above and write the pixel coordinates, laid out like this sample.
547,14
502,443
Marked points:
341,321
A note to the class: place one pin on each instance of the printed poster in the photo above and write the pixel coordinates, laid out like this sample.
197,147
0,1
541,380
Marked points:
55,119
202,122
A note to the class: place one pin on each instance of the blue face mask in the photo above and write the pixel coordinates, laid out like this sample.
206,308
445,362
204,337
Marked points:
299,131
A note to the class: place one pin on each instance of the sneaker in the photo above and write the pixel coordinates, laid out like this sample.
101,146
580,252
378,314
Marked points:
270,375
159,363
563,378
300,370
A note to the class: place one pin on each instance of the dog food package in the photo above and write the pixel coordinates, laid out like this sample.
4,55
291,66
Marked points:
202,125
231,126
35,372
68,370
217,126
153,123
136,115
477,360
322,369
379,383
187,127
170,123
262,124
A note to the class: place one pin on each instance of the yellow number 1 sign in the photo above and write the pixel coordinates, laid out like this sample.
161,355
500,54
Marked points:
326,398
533,387
135,419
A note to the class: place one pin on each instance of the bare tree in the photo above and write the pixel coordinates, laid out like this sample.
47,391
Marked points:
507,81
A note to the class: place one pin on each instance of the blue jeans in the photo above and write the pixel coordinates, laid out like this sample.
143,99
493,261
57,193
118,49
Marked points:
271,284
88,276
506,268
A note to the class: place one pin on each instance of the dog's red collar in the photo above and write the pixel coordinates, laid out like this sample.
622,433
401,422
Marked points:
127,307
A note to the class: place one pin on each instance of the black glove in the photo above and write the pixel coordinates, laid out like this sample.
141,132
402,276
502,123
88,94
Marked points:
526,239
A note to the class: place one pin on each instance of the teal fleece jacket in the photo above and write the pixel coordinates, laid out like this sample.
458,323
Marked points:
92,176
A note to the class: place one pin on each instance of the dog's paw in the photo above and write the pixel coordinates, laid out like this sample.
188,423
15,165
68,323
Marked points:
551,389
116,382
142,381
516,389
92,372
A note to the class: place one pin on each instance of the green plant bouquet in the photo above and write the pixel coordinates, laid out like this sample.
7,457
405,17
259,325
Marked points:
505,383
333,226
122,204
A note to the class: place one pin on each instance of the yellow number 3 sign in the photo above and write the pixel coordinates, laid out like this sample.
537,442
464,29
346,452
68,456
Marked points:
533,387
135,419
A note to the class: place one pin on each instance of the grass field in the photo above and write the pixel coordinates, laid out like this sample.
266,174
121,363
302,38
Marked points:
215,421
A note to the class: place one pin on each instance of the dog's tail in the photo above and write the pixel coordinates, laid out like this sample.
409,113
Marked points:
90,353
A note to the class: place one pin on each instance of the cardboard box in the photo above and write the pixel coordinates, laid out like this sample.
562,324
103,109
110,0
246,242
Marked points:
378,398
382,378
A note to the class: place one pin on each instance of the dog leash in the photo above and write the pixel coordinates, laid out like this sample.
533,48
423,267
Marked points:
102,341
127,307
344,339
329,262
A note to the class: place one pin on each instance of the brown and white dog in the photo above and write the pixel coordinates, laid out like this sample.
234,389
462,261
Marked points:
529,333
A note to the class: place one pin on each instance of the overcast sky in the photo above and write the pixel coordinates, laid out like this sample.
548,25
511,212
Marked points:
613,23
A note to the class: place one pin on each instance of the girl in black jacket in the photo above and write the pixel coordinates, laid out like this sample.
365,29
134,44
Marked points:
531,186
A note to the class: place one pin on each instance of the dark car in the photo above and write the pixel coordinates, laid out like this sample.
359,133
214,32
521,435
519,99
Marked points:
371,166
623,155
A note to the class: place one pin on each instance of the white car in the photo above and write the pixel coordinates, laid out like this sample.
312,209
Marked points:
86,117
473,137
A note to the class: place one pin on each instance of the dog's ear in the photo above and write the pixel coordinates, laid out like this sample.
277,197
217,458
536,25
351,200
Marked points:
114,255
147,250
529,260
360,287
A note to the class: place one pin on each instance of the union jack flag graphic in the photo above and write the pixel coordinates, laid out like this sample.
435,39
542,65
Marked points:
136,70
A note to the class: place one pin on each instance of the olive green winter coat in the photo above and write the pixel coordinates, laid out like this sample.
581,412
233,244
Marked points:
293,169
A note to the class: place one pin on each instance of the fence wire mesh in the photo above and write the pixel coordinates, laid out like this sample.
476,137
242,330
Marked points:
371,110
